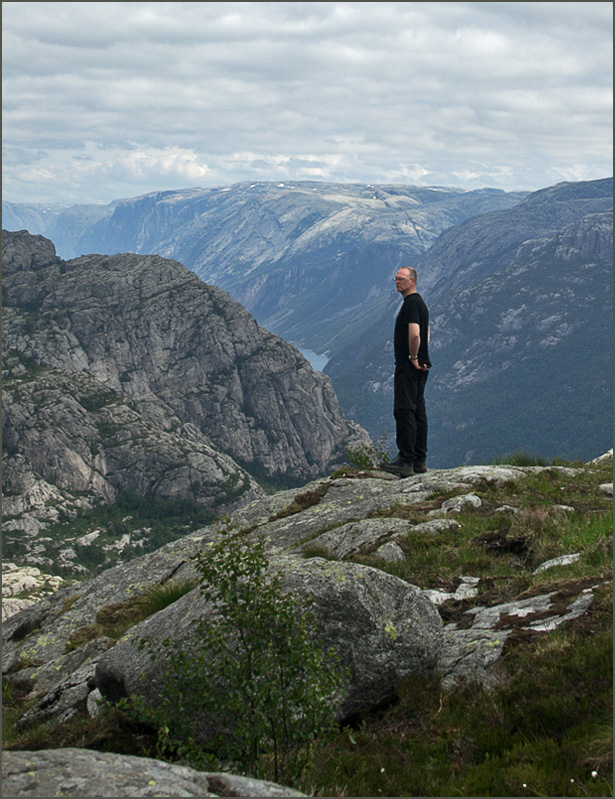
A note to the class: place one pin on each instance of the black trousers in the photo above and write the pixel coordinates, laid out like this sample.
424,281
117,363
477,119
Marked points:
409,412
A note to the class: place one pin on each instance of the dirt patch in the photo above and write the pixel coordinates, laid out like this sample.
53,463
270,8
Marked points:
127,611
501,542
564,589
456,611
81,635
302,501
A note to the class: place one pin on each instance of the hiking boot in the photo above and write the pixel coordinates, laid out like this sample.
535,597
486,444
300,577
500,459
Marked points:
419,467
398,467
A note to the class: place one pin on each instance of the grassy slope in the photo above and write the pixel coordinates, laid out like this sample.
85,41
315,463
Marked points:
546,728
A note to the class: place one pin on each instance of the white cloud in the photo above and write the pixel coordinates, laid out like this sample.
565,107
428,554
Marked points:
157,95
168,161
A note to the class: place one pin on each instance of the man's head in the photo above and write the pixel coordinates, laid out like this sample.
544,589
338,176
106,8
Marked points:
405,280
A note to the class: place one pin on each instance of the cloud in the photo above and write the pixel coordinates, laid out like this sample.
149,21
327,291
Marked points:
159,94
168,161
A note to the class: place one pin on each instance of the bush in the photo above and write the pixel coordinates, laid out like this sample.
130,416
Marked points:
255,678
369,456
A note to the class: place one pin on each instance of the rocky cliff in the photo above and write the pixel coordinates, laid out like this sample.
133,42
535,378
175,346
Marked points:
128,373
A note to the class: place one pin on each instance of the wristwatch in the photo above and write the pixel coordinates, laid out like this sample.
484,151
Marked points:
413,357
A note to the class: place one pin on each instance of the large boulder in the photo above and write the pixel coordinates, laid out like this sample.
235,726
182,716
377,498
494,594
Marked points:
382,629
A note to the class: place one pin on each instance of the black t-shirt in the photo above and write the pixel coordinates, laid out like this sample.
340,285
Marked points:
413,311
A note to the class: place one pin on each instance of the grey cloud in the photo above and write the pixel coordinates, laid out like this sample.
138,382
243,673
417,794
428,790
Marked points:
342,91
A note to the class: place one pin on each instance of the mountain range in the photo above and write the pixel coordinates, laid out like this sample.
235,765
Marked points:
308,260
518,284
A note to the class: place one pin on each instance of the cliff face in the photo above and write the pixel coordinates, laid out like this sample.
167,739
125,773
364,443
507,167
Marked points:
130,373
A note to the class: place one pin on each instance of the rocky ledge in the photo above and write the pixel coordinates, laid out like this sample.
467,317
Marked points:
314,537
338,540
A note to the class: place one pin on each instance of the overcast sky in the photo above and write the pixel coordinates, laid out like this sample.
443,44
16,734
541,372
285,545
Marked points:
103,101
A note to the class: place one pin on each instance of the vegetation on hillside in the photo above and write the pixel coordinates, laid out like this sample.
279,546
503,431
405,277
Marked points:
255,672
106,535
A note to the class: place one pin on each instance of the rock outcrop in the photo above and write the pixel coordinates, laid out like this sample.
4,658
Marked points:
22,586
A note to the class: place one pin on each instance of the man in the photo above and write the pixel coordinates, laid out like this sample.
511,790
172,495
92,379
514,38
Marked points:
412,364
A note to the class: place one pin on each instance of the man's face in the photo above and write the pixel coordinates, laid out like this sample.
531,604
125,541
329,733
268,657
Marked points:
403,281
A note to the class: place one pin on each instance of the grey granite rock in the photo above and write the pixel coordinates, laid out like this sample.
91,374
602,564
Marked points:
381,628
84,772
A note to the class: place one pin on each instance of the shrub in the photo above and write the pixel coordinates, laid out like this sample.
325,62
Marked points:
255,676
370,455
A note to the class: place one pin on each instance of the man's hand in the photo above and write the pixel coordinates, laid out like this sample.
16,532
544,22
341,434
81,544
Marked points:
418,366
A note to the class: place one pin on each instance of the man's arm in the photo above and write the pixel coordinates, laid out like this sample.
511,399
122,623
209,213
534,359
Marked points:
414,342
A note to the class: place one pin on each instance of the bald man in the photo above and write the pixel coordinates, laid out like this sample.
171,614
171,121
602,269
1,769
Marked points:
412,364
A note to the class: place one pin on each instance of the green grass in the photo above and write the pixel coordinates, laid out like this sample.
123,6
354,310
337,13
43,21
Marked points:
161,596
550,513
112,621
546,725
525,458
111,731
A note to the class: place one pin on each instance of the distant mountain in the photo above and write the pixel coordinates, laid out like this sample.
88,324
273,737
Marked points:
481,245
128,373
311,261
521,310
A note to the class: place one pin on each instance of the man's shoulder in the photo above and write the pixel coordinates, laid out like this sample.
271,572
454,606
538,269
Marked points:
414,299
418,299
